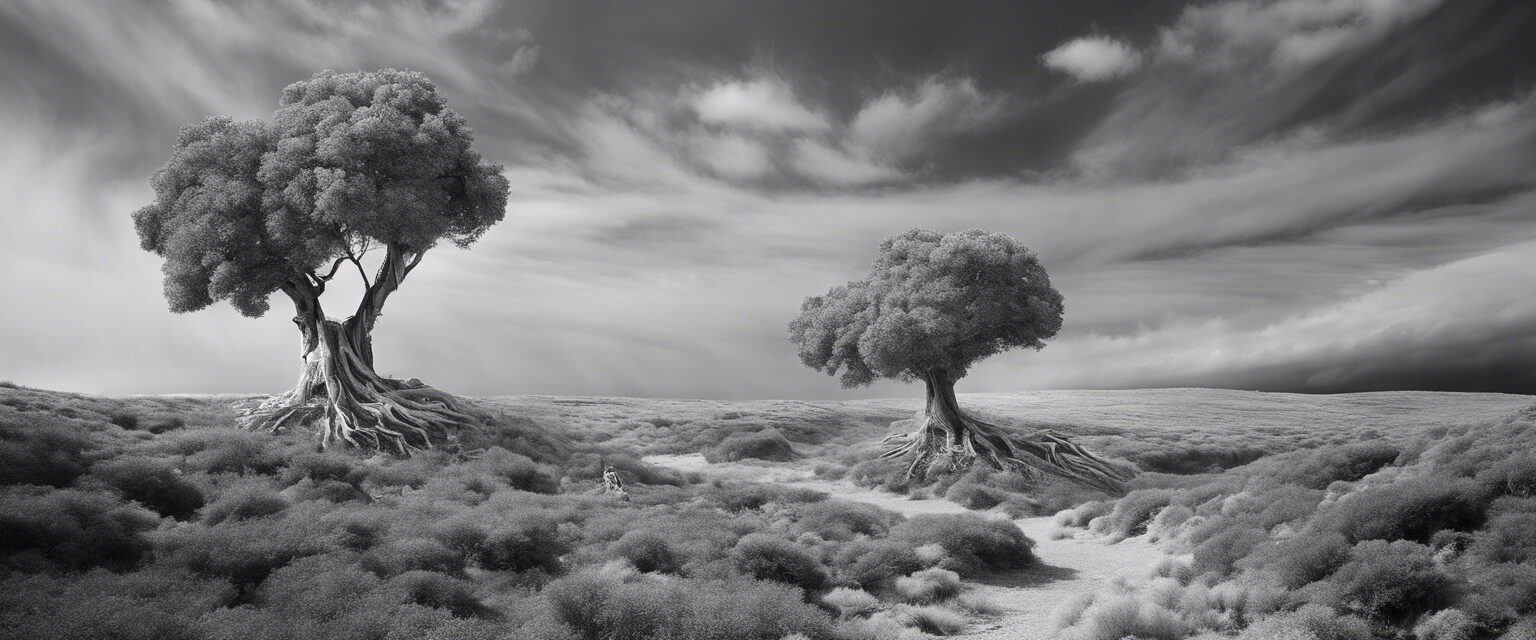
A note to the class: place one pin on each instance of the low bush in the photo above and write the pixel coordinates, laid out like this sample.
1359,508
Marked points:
250,500
870,564
597,605
768,444
851,603
1394,581
648,552
931,620
517,471
975,545
522,543
398,556
841,520
41,449
1125,617
71,529
1410,509
929,586
751,496
151,482
439,591
766,557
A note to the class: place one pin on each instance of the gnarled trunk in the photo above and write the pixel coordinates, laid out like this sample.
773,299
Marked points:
339,393
950,435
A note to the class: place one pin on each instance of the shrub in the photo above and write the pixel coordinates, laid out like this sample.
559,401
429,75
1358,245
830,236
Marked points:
746,496
971,495
246,551
223,450
768,444
1126,617
1316,469
647,552
929,586
41,449
244,502
1083,514
152,483
1514,476
767,557
1448,624
1132,514
518,471
1502,593
1410,509
843,520
931,620
1301,559
70,528
594,605
399,556
522,544
320,467
1218,553
432,589
1310,621
152,604
869,564
1396,581
975,544
1508,537
851,603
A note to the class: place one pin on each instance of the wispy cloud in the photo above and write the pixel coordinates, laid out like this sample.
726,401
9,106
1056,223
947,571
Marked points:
1234,209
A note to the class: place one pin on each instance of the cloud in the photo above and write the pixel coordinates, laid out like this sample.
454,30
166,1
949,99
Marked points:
1463,325
1260,219
900,125
763,103
733,156
1093,59
1289,33
827,165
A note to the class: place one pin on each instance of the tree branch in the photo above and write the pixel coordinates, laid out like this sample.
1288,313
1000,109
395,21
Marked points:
359,263
334,266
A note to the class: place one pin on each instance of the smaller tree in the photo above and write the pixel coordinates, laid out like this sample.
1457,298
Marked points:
933,305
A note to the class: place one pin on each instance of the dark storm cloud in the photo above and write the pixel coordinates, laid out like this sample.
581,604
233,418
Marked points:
1315,195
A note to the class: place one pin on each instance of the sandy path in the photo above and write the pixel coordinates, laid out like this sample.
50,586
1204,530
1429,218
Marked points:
1029,598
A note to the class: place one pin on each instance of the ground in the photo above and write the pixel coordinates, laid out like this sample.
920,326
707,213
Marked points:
155,517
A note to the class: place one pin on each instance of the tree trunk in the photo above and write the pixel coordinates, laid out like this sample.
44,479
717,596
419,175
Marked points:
950,435
339,393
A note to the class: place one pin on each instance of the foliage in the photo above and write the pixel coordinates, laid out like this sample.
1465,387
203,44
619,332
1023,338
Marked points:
975,545
768,444
931,302
243,208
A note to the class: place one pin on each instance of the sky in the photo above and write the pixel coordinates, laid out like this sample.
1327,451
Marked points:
1295,195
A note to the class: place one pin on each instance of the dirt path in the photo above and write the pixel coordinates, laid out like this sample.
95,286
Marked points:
1030,598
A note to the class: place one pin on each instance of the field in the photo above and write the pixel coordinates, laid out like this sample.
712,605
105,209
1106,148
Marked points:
1267,515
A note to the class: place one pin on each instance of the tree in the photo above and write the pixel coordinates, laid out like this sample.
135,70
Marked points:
933,305
349,164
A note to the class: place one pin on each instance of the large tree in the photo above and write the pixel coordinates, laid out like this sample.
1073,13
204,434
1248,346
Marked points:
350,164
933,305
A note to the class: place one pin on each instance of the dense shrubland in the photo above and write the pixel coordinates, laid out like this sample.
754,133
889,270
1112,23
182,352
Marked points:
1430,538
152,518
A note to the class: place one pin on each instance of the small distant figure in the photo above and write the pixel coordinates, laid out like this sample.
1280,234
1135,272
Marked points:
612,483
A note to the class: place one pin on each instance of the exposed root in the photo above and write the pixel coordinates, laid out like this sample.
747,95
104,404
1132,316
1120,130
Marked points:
340,395
956,443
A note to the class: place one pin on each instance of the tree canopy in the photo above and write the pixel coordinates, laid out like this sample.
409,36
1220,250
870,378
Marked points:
932,301
348,162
